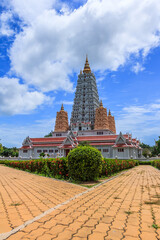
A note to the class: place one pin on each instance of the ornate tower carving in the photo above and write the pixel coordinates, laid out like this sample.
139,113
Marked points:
61,121
101,120
111,122
86,100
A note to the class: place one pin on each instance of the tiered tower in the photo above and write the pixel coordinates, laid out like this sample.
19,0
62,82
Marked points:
61,121
101,120
111,122
86,101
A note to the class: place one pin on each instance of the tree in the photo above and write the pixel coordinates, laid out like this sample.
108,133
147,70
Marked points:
157,146
146,152
1,149
42,154
84,143
49,134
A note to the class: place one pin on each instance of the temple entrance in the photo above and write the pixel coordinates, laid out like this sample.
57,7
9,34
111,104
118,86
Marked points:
67,151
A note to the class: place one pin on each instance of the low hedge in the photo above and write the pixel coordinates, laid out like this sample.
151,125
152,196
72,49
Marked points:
58,167
54,167
111,166
156,163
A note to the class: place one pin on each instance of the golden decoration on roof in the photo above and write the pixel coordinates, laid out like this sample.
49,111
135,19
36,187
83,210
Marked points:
86,66
62,108
101,104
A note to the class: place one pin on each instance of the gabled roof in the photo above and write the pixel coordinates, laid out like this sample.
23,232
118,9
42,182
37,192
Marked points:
120,139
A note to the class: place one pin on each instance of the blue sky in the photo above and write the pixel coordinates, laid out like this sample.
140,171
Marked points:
43,44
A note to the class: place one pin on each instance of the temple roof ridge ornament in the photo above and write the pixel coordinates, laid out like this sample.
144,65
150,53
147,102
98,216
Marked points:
86,66
101,104
62,107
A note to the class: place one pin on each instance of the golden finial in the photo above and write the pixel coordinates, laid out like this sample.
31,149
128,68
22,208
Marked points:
101,104
62,108
80,71
86,66
109,112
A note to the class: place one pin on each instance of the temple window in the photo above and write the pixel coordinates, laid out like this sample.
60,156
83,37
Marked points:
99,133
106,150
120,149
58,134
56,151
25,151
39,151
45,151
50,151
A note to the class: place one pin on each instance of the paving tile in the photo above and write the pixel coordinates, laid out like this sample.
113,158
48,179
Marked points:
113,211
96,236
114,234
148,236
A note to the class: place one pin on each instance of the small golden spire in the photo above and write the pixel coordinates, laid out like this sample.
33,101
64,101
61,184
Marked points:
109,112
101,104
86,66
80,71
62,108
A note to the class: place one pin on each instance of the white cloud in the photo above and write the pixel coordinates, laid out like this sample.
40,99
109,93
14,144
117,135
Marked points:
142,121
54,45
5,28
29,10
15,98
137,68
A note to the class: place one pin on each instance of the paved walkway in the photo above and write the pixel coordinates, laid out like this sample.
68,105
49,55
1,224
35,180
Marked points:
127,207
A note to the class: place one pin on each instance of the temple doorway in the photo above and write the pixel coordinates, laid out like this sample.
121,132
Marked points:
67,151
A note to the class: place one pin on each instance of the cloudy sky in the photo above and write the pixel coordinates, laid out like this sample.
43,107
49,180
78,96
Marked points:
43,44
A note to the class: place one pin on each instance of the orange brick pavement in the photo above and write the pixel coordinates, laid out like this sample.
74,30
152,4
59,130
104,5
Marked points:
127,207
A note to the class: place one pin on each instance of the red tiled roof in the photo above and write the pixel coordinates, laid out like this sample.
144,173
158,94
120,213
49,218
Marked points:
25,147
57,139
96,138
46,145
66,146
96,144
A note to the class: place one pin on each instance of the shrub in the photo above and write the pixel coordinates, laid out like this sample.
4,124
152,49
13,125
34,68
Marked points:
111,166
55,167
84,163
156,163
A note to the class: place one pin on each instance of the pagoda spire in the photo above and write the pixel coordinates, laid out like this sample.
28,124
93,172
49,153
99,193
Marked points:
109,112
86,66
62,108
101,104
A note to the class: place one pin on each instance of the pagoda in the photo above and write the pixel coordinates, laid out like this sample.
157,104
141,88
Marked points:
89,122
61,121
86,101
111,122
101,120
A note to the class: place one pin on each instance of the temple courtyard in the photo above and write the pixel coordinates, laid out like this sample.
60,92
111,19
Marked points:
123,207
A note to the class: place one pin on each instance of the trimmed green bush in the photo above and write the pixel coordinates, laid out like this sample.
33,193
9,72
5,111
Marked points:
111,166
84,163
156,163
53,167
